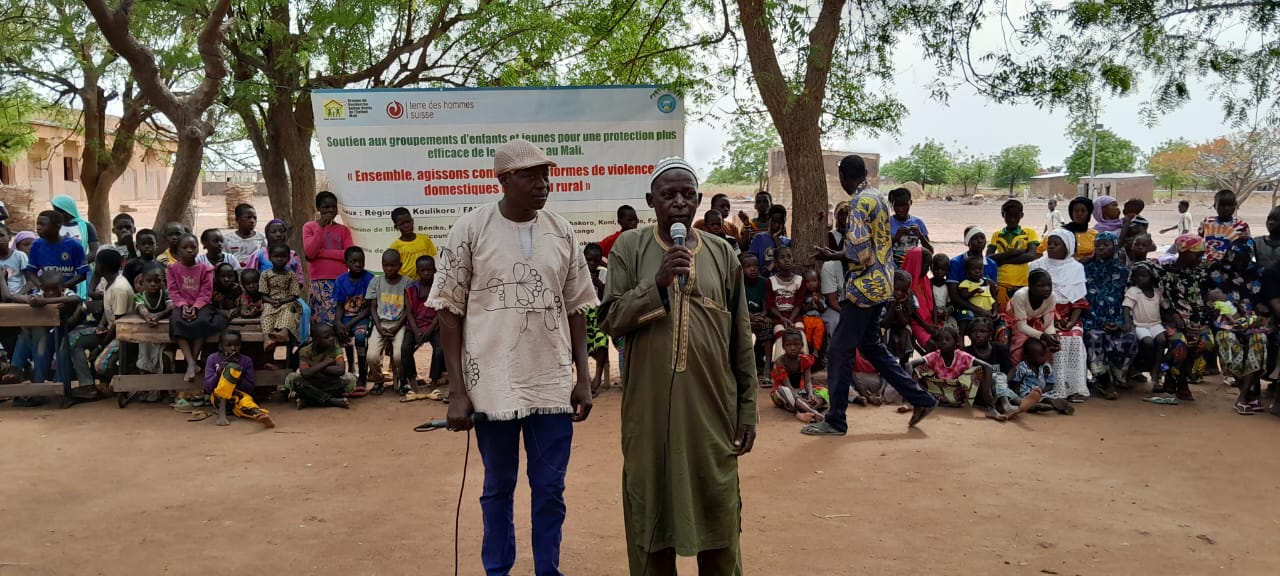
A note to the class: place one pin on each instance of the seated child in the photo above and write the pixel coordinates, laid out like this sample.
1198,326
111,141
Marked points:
281,299
869,387
757,289
153,306
943,314
37,344
1142,304
322,378
424,329
390,312
976,288
1032,378
785,298
954,377
228,377
713,223
1229,316
191,290
213,255
94,350
277,233
250,294
899,315
815,330
997,355
227,294
352,325
793,388
597,341
145,243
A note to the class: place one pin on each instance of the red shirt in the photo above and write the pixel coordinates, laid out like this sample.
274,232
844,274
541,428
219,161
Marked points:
423,315
607,244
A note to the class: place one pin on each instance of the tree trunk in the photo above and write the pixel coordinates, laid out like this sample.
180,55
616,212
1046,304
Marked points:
803,147
186,173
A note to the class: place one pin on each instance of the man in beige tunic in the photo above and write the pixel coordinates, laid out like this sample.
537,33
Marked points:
689,402
512,291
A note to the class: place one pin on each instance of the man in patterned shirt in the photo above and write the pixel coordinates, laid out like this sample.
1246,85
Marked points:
868,288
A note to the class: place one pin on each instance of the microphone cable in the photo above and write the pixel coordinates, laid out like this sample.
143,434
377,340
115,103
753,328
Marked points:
457,515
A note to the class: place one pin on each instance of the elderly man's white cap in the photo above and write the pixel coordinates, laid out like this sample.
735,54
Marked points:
672,163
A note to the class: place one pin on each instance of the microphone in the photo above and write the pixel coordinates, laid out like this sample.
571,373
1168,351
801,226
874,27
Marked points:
678,232
443,423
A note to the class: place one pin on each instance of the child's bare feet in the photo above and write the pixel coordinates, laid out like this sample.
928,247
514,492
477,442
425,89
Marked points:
339,402
875,400
222,420
903,409
1062,406
996,415
919,413
191,373
1031,400
264,419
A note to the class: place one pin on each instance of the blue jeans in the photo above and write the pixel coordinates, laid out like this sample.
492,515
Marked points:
859,331
37,345
547,439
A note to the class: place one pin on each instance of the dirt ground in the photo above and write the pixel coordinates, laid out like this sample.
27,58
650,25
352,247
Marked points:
1120,488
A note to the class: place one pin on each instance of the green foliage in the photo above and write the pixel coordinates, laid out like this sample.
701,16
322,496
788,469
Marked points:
926,163
972,171
1016,165
17,105
1172,164
1114,154
746,158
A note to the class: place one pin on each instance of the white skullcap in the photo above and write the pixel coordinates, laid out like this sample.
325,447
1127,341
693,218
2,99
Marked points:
672,163
973,231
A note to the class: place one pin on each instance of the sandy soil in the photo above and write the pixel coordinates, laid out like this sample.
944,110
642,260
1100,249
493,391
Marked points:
1121,488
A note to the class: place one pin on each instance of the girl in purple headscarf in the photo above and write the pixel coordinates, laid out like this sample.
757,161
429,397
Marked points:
1106,212
277,233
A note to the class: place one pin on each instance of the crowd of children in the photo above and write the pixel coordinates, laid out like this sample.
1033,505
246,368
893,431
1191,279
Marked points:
335,330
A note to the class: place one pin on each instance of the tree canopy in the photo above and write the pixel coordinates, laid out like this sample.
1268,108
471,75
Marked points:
972,171
746,157
927,163
1242,162
1172,163
1016,165
1114,154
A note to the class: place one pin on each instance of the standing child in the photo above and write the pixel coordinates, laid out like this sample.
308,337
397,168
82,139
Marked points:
173,233
907,231
53,251
145,242
410,245
898,316
1052,218
757,290
214,255
976,290
281,300
388,307
191,290
1220,231
954,377
322,378
786,296
1012,248
793,388
98,351
766,243
815,330
597,341
228,378
122,227
244,241
22,241
352,326
1185,222
153,306
943,313
277,233
424,329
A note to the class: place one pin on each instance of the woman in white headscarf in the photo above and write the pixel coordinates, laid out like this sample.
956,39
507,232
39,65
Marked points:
1070,288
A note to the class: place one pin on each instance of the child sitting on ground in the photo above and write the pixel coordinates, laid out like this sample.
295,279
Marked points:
898,316
153,306
793,388
389,311
785,299
954,377
281,300
410,245
352,326
757,290
191,290
997,355
1032,378
250,294
322,378
145,243
228,377
976,288
815,303
213,255
597,341
423,328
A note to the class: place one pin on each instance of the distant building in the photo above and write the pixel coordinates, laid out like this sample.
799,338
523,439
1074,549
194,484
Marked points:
779,183
1120,185
52,166
1052,185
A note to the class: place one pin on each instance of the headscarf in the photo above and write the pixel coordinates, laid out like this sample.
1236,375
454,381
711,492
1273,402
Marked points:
1071,224
19,237
1188,243
913,264
1150,267
971,232
841,206
1105,224
1069,282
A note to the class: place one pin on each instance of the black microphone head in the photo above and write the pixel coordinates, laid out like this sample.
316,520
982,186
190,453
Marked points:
678,233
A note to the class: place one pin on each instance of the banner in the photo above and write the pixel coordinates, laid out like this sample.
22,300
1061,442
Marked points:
431,151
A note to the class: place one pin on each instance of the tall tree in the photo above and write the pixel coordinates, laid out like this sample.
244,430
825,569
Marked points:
746,156
16,134
1016,165
972,171
1242,162
927,163
188,111
1172,163
1114,154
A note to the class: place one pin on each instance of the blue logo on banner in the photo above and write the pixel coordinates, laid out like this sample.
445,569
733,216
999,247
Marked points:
666,103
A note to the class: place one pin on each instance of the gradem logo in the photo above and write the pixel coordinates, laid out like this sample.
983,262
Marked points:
395,110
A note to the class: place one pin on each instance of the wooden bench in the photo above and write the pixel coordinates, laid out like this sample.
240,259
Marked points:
15,315
135,330
147,382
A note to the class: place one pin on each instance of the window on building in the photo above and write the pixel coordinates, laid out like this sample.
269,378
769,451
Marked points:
69,169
